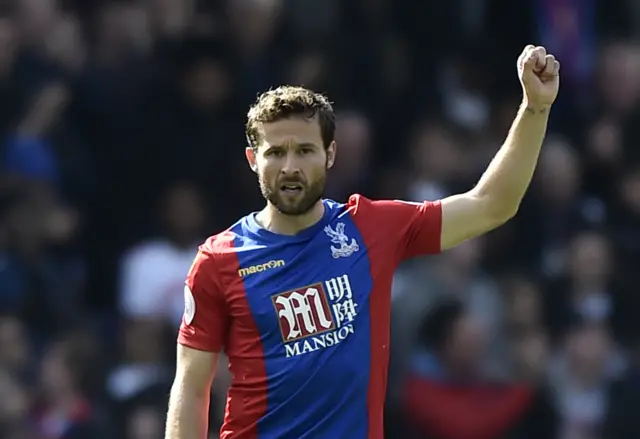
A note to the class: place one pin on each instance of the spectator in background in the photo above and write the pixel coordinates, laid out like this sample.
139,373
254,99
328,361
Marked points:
624,396
554,210
350,173
140,368
530,357
581,376
524,302
151,298
446,395
152,273
456,273
146,422
435,159
15,348
41,265
254,28
588,288
65,409
14,407
10,91
624,233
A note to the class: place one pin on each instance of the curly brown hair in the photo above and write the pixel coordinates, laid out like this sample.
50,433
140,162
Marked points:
286,102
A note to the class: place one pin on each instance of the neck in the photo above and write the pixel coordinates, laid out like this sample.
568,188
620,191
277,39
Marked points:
283,224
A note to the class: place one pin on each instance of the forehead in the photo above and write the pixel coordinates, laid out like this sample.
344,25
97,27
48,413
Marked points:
291,131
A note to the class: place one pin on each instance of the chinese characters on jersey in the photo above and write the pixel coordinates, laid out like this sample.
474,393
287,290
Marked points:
317,316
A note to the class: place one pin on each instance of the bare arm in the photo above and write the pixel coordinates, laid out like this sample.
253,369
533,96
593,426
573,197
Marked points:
497,196
188,414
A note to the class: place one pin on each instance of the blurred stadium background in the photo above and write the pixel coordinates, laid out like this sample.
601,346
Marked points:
122,148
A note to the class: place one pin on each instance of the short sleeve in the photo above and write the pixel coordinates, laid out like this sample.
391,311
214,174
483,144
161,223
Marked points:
414,228
205,319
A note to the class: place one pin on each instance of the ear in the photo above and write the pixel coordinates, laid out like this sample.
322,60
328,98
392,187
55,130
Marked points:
250,154
331,154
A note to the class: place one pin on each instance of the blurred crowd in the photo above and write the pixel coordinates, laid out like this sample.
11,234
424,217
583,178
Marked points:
121,148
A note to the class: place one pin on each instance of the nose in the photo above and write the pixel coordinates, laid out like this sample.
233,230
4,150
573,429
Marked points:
291,166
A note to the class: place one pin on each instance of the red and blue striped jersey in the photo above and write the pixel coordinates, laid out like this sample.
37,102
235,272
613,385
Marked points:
304,319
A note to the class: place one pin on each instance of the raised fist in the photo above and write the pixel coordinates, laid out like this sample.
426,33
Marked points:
539,74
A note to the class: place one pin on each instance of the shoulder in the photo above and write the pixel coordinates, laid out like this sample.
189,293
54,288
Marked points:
360,204
357,203
357,206
217,250
213,259
388,210
219,244
220,252
228,241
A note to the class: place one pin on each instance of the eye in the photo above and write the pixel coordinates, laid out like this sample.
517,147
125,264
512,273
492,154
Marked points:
275,153
306,151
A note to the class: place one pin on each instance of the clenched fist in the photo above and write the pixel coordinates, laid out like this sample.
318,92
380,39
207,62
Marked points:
539,74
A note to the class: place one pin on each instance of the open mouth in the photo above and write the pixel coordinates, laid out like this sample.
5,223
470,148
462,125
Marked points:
291,188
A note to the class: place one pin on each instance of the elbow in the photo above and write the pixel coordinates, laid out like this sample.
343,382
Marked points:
510,213
497,209
499,213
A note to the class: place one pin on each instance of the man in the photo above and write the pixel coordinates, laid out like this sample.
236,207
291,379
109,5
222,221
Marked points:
298,295
445,392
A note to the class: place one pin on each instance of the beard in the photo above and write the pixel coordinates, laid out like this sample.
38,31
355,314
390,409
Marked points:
297,204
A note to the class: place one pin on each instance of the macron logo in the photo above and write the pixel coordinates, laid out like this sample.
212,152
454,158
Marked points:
276,263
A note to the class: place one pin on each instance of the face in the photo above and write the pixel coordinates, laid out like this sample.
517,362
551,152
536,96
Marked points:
145,423
183,211
531,354
525,304
14,404
14,348
207,84
590,258
292,164
588,350
559,175
631,191
467,341
54,373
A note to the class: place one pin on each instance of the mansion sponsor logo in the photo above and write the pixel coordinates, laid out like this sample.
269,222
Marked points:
317,316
